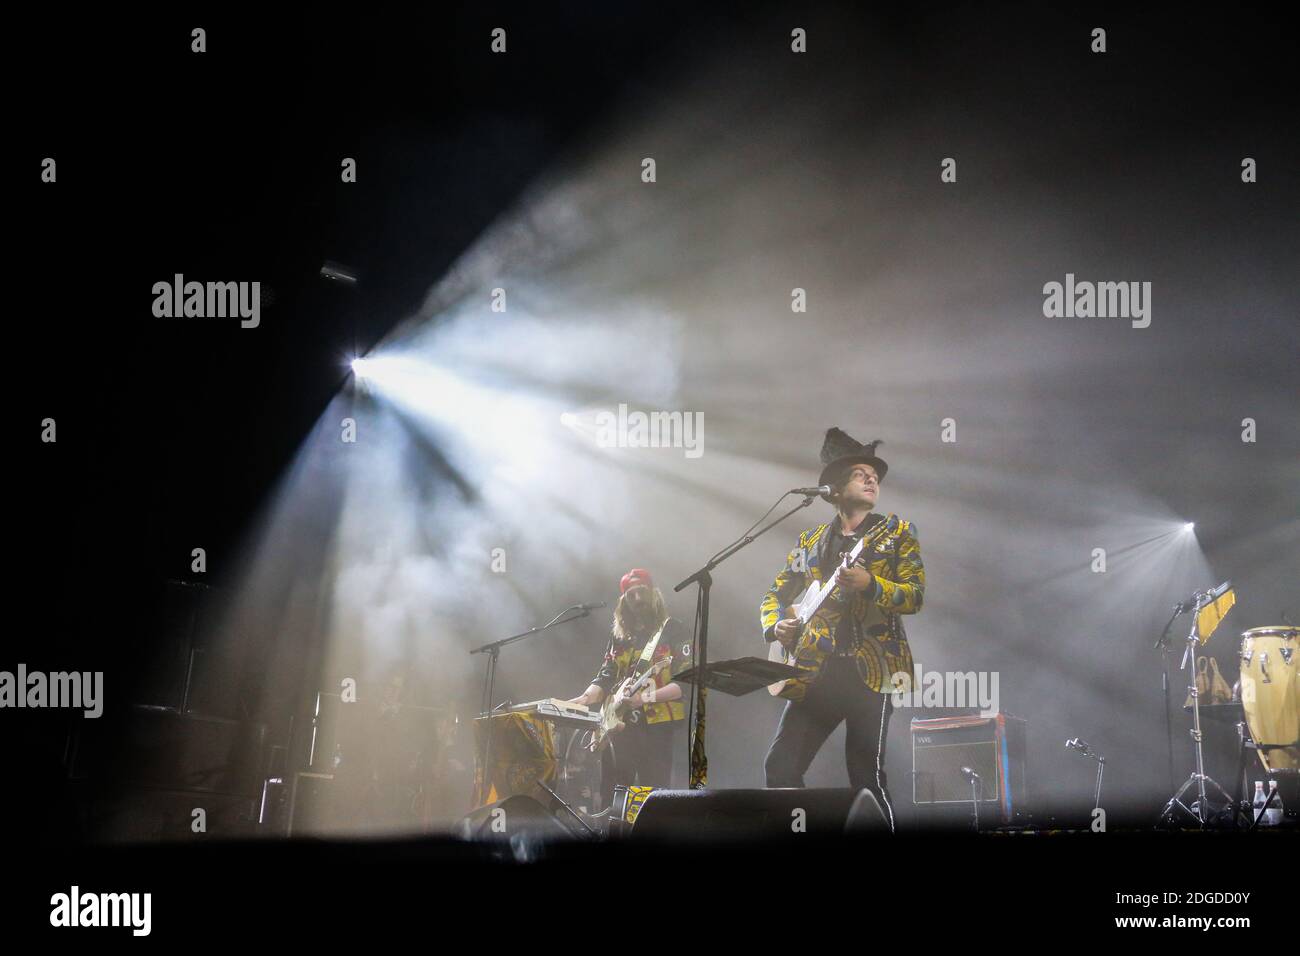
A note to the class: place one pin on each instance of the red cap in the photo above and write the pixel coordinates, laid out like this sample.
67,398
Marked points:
633,578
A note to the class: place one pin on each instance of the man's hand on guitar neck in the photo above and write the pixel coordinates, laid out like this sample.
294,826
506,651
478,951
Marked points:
632,702
650,694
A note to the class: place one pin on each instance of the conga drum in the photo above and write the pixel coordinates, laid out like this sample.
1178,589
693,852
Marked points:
1270,694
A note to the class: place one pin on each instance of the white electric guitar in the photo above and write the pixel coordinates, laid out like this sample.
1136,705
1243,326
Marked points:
815,596
611,720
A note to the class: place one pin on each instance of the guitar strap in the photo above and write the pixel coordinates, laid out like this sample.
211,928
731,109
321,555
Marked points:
869,525
648,652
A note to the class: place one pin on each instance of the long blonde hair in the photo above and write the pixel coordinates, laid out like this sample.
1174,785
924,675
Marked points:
620,628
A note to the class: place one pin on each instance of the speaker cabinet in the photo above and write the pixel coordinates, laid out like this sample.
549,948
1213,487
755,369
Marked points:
994,747
744,814
163,750
312,810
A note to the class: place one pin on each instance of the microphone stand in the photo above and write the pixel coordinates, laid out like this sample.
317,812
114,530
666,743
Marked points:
1101,768
699,761
1162,645
1082,747
974,779
1199,778
493,651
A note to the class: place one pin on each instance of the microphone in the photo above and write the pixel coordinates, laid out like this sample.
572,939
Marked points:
819,490
1182,607
975,786
589,607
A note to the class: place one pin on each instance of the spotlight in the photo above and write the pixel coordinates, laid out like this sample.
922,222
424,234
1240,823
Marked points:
568,419
338,273
1190,526
359,367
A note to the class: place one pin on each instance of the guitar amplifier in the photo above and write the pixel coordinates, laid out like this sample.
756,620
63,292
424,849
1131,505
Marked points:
994,747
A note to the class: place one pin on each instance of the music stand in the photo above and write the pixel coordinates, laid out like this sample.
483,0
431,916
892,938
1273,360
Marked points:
699,761
741,676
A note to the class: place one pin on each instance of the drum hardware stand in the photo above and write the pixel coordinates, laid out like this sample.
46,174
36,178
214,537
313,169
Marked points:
1162,645
1245,746
1199,778
1081,746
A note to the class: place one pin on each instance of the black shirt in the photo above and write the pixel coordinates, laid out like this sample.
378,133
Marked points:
833,546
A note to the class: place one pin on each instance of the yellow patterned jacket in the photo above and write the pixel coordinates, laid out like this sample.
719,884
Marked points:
898,589
623,657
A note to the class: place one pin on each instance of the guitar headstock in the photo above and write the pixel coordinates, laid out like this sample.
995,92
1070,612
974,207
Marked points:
871,542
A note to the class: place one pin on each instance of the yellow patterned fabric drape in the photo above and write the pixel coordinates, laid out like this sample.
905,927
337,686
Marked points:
521,754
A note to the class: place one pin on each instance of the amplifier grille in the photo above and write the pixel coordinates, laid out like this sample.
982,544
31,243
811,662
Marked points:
994,747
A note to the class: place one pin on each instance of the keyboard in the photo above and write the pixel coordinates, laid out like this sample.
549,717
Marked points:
561,711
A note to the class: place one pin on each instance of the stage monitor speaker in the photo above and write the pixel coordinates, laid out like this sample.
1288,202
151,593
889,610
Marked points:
513,816
994,747
867,816
744,814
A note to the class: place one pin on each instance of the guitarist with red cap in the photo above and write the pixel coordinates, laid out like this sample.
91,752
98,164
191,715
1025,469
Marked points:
643,637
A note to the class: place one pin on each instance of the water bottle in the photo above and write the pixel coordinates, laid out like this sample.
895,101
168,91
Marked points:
1258,803
1273,815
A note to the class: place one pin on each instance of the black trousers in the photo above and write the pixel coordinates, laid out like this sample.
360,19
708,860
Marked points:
642,754
837,695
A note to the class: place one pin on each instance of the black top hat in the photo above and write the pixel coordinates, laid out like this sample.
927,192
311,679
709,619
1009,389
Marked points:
839,451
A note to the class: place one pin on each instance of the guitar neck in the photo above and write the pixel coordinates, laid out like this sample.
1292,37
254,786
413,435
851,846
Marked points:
640,682
648,675
807,612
